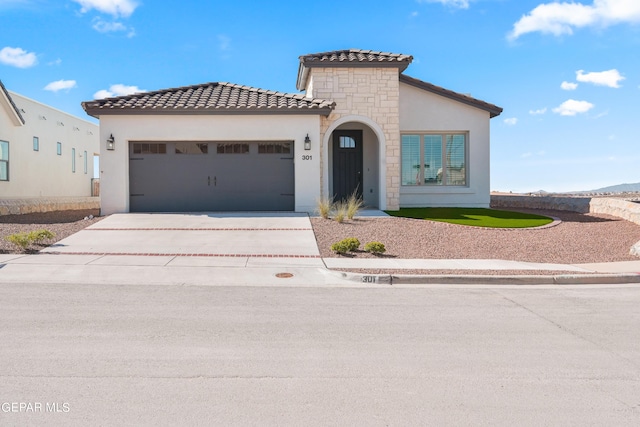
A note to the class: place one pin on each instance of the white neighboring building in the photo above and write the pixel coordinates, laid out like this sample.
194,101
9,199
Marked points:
44,152
361,126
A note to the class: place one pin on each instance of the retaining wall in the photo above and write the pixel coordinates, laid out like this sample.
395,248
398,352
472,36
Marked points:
47,204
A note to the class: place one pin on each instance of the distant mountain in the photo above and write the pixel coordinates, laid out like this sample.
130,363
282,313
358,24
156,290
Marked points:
620,188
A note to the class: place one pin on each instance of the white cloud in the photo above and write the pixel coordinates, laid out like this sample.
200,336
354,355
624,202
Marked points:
562,18
108,27
569,86
17,57
610,78
460,4
572,107
511,121
527,154
538,112
60,85
115,8
117,90
56,62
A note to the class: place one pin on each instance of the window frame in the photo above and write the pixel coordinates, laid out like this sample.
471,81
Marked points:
73,160
59,148
444,138
5,161
36,143
86,165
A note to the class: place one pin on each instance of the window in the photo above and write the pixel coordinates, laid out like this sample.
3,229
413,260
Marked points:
59,148
143,148
233,149
191,148
347,142
73,160
85,162
278,147
36,143
434,159
4,161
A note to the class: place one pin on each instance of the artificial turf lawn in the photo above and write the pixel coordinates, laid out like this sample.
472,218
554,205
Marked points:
478,217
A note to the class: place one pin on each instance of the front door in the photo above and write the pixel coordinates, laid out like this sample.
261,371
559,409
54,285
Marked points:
347,163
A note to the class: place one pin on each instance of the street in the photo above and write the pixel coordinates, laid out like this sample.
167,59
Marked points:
244,355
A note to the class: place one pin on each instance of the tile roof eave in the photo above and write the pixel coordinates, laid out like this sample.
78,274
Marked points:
493,110
97,112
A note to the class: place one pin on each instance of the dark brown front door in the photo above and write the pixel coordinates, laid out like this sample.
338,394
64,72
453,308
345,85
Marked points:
347,163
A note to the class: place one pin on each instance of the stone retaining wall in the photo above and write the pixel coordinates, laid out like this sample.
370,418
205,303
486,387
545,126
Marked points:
601,205
47,204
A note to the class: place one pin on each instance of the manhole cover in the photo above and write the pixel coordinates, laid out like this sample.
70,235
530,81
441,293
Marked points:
284,275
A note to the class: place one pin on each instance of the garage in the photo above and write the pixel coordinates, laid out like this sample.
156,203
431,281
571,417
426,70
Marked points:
197,176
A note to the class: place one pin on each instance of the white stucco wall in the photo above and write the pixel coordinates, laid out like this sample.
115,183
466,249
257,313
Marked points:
44,173
422,111
114,165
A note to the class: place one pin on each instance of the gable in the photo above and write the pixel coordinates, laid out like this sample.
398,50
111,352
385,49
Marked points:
10,107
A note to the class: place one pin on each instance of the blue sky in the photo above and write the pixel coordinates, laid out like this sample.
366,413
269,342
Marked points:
566,73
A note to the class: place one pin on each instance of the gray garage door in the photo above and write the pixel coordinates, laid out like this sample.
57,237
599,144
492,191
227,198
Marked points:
211,176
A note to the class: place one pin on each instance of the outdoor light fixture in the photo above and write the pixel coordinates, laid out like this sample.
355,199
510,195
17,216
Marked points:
111,142
307,143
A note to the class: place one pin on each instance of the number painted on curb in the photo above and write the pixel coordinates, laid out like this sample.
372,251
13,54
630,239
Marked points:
369,279
307,157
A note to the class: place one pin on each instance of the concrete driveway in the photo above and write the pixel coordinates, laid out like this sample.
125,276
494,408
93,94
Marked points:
199,239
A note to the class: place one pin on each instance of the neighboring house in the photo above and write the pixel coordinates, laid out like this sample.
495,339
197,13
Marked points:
44,153
361,125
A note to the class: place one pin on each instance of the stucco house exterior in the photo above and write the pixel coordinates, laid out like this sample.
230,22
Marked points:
360,125
44,152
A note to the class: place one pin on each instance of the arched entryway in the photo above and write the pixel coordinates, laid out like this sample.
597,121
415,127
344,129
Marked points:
353,150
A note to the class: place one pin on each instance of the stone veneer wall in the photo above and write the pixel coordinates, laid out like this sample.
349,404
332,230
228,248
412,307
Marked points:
368,92
47,204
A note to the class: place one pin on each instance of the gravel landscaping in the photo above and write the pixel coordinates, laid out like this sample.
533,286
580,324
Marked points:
579,238
62,224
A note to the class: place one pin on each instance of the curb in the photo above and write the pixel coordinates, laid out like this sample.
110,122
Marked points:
462,279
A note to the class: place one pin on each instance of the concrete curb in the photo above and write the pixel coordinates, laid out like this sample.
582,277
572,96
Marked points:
468,279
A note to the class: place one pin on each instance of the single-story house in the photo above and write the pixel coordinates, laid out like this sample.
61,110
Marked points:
361,125
44,152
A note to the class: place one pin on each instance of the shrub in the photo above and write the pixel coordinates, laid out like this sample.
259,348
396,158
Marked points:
375,248
352,243
324,206
354,204
24,240
340,247
341,211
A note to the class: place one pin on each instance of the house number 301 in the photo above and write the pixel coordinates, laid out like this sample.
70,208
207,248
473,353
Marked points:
306,157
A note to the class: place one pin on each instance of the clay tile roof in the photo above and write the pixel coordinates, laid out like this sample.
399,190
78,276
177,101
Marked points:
493,110
351,57
209,98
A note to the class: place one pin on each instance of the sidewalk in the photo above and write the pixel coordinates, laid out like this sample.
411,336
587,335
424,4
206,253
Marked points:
192,270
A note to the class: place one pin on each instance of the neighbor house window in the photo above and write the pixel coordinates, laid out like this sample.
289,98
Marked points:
59,148
4,161
73,160
232,148
85,162
434,159
36,143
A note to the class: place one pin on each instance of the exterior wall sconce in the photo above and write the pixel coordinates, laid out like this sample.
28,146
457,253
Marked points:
307,143
111,142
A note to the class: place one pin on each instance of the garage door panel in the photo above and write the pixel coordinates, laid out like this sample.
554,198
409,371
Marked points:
211,182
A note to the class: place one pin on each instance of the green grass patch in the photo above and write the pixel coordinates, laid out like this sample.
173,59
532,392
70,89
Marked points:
477,217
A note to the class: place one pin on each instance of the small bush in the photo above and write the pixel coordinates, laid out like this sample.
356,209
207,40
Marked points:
354,204
21,240
24,240
340,247
341,211
324,206
352,243
375,248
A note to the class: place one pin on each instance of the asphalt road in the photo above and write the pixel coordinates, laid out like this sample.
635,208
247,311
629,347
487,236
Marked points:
181,355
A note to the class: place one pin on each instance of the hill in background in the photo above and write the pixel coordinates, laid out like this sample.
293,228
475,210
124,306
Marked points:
620,188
